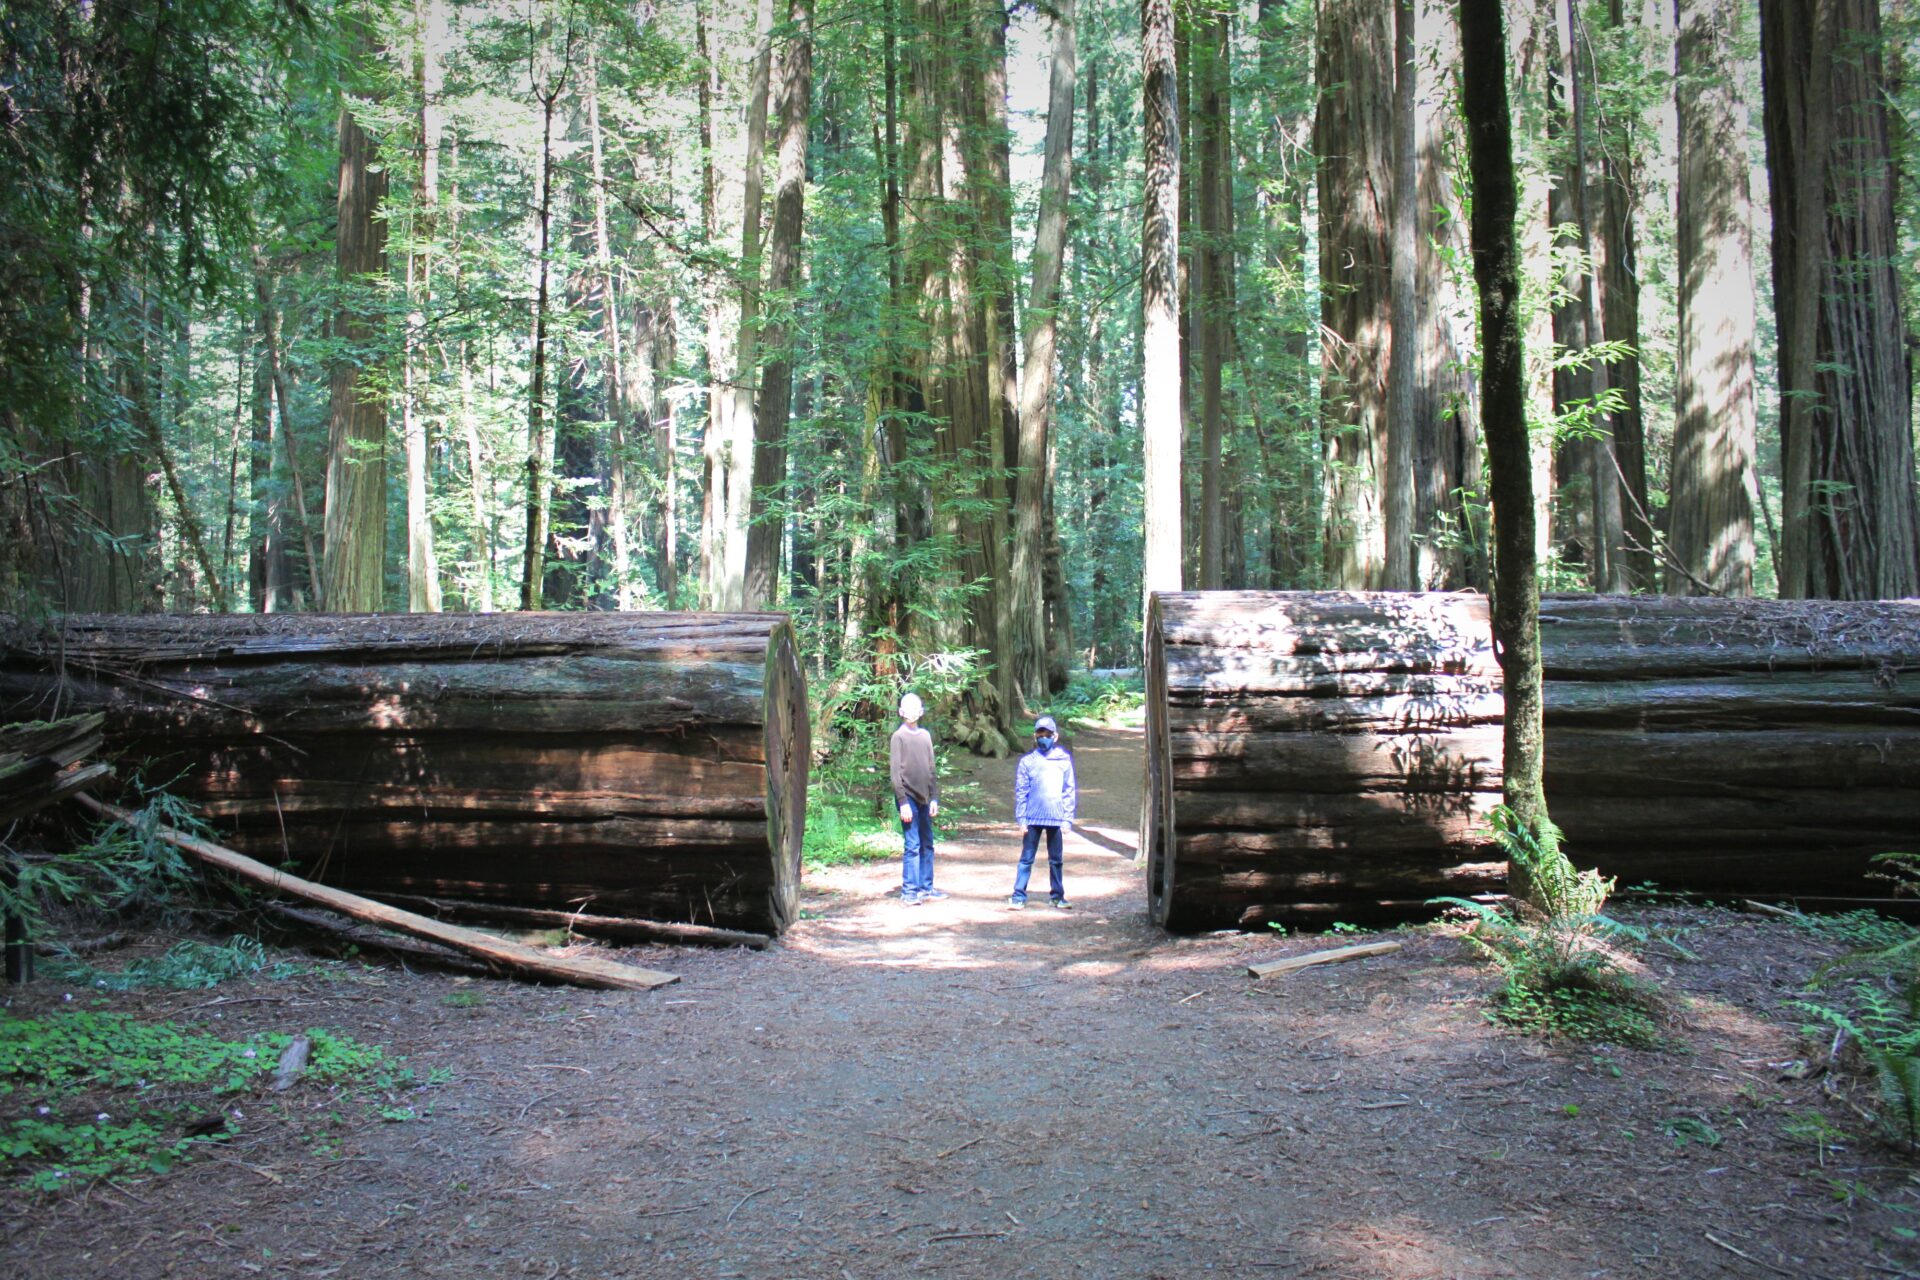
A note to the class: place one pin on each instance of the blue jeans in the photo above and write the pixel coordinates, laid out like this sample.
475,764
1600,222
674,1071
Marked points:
1028,847
916,859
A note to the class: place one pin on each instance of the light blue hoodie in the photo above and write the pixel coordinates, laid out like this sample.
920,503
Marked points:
1043,788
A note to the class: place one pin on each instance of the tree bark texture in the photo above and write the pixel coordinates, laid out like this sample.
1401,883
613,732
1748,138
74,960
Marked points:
1353,138
783,281
1335,755
1160,300
1850,530
1510,459
1033,493
646,764
354,571
1710,513
1402,374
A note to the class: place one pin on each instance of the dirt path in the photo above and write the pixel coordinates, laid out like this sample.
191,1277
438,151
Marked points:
959,1090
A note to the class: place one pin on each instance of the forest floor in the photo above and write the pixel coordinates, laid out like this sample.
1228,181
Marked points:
956,1089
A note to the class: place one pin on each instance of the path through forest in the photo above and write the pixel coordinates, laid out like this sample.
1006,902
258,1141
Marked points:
960,1090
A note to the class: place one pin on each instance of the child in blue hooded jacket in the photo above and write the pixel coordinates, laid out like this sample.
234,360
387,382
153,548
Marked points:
1043,801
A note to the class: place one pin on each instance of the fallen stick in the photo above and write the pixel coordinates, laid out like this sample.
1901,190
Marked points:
510,956
612,928
1335,956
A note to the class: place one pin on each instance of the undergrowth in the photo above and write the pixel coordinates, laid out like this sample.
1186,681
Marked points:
1100,702
86,1095
1558,954
848,829
1873,997
188,965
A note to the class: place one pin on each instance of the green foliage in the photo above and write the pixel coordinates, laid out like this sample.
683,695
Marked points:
1878,1005
87,1095
1562,975
121,869
847,831
188,965
1100,702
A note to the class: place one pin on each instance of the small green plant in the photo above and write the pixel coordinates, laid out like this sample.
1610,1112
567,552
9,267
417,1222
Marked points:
188,965
1562,976
463,1000
1684,1129
85,1095
1571,1110
1279,930
1886,1028
121,868
1342,927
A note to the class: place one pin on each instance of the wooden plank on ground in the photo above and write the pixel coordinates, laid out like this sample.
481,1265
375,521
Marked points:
511,956
1335,956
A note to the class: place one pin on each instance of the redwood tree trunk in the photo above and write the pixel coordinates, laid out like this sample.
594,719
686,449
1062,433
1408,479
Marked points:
1851,529
1033,494
354,572
1710,513
1353,140
1160,336
783,278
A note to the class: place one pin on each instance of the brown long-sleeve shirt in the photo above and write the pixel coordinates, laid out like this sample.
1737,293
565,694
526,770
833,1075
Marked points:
910,765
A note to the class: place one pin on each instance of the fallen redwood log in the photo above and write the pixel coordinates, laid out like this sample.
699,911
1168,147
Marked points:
629,764
1327,755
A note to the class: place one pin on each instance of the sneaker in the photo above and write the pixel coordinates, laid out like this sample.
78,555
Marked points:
932,895
1059,904
910,898
1016,904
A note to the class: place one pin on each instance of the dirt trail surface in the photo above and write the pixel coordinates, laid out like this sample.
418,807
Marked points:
956,1089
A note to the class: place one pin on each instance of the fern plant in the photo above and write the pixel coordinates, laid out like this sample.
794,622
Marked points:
1562,975
1887,1029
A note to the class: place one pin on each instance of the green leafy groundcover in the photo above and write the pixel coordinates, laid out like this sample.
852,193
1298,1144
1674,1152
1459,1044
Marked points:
87,1095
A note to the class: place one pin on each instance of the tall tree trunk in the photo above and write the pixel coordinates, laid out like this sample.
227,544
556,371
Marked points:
1030,616
354,571
619,497
1710,515
1213,187
1619,271
783,281
740,425
423,567
1353,132
1447,471
478,484
268,569
1851,529
1516,600
1160,336
263,289
1403,426
1609,553
533,556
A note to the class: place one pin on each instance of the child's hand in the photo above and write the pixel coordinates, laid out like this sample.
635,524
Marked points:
906,813
933,809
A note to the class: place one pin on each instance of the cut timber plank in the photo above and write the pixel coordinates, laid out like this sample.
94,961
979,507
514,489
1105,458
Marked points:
1335,956
527,961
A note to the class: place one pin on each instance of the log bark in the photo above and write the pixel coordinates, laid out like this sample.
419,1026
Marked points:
653,765
1333,755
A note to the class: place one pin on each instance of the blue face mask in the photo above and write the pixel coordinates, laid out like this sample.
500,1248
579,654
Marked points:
1043,740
